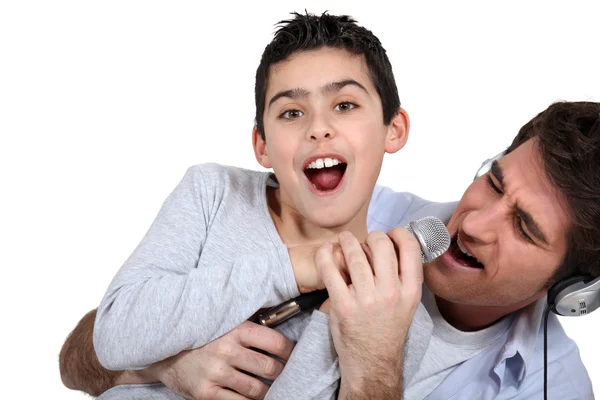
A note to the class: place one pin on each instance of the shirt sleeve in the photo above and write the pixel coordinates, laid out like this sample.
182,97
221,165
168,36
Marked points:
312,372
160,303
152,391
389,209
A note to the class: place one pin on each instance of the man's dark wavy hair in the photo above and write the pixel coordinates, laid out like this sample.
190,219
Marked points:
310,32
568,140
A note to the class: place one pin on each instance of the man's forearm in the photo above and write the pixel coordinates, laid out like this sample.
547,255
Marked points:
381,381
79,365
371,389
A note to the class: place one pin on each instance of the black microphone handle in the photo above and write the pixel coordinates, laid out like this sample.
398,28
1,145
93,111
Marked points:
310,300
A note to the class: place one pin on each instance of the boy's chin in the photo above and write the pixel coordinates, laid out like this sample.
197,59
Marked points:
340,217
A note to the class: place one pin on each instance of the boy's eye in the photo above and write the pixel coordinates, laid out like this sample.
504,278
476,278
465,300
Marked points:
345,106
291,114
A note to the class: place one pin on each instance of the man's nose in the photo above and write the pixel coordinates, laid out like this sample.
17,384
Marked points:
483,225
319,129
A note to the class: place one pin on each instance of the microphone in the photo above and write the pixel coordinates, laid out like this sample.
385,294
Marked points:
430,232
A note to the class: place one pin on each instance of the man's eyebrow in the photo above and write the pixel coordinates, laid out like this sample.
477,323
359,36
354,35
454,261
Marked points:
292,94
532,225
497,172
339,85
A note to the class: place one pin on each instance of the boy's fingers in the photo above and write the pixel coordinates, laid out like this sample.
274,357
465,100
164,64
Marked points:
359,268
332,279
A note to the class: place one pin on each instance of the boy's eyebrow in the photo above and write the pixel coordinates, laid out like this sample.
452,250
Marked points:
337,86
292,94
326,90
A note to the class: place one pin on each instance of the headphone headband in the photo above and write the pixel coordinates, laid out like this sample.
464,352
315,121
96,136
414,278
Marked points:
487,164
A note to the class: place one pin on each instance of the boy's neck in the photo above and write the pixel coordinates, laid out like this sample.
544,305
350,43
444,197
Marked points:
295,230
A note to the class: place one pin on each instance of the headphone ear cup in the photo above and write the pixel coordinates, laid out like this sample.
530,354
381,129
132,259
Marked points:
558,287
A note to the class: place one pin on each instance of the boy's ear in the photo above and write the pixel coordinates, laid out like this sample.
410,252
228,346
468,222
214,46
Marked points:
260,148
397,133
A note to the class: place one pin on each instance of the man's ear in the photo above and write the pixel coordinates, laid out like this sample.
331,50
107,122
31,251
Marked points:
397,133
260,148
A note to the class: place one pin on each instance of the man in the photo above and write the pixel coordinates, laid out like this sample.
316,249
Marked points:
529,222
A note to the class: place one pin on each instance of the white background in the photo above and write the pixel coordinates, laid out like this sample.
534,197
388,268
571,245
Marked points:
103,106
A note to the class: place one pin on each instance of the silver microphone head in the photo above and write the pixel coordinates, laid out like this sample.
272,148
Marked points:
432,236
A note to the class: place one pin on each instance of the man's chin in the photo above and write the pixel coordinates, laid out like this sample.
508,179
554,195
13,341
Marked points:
440,285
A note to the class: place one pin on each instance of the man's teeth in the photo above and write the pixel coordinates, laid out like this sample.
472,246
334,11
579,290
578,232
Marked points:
462,247
324,163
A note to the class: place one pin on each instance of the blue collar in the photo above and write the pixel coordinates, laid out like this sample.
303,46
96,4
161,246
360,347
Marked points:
515,357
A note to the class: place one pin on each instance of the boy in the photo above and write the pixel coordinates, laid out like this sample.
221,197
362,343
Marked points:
227,241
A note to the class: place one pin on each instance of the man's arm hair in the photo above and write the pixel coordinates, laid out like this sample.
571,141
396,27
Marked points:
80,368
79,365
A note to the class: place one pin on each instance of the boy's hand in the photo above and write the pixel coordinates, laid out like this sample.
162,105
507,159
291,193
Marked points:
305,268
370,318
213,371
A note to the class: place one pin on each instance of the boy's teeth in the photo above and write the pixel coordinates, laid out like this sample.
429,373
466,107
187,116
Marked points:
320,163
462,247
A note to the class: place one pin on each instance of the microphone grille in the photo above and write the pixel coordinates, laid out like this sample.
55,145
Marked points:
432,235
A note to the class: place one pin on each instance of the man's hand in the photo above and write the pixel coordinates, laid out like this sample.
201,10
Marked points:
213,371
209,372
305,268
370,318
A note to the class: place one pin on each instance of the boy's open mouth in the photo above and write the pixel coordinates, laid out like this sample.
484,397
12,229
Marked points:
325,174
462,255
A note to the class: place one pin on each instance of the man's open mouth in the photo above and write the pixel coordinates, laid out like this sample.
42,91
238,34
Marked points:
325,174
462,255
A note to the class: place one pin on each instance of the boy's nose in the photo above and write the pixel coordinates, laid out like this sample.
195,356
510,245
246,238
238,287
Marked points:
319,130
315,136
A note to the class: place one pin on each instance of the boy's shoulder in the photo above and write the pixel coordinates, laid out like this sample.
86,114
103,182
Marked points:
214,175
226,186
215,170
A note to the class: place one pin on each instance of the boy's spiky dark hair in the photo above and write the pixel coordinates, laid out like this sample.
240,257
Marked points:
310,32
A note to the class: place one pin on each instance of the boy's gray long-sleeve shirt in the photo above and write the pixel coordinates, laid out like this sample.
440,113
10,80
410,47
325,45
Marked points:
209,261
212,258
